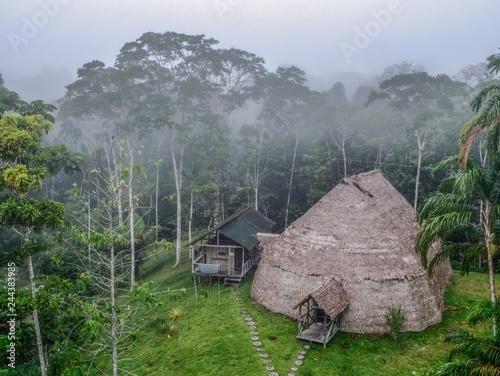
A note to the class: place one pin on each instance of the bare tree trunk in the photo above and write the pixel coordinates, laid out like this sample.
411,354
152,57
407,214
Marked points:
156,200
115,184
156,193
89,222
39,343
178,188
291,180
113,312
191,247
417,180
345,136
52,187
131,217
421,137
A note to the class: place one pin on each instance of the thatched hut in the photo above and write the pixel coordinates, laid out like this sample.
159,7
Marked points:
361,234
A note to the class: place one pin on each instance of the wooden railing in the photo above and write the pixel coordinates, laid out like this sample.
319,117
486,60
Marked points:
199,260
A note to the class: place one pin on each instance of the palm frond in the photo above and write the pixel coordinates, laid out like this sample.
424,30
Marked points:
442,203
436,228
485,370
483,95
459,367
468,252
486,311
446,163
468,135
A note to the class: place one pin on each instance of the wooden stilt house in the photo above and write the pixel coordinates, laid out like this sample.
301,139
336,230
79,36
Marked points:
320,312
231,249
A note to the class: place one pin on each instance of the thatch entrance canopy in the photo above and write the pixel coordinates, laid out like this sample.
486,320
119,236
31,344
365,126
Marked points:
319,312
362,232
330,296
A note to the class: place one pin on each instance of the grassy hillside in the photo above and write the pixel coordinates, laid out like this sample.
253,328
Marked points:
214,339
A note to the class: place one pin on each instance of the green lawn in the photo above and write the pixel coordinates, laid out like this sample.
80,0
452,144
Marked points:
215,339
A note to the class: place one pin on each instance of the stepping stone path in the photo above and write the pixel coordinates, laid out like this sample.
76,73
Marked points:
256,342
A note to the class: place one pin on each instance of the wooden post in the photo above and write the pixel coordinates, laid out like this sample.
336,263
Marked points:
300,316
242,261
195,294
324,329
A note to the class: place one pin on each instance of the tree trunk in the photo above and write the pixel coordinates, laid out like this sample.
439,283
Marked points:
156,192
113,312
191,247
112,293
345,136
39,343
156,200
116,185
291,180
131,216
417,180
421,137
486,220
178,188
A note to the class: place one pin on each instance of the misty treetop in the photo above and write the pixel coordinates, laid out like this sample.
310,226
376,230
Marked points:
189,102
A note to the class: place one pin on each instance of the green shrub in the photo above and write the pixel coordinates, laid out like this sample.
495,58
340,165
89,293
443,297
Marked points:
395,320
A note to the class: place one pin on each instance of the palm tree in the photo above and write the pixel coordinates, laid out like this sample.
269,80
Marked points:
487,106
463,197
471,355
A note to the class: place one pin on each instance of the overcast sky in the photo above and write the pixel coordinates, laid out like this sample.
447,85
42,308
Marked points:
44,42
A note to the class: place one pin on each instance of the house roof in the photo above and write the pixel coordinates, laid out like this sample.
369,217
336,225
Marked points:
243,227
362,232
330,296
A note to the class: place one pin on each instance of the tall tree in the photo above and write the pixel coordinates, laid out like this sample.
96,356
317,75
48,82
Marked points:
421,98
487,106
286,103
462,196
21,173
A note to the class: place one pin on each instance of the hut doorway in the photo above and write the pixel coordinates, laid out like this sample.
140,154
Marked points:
320,312
238,259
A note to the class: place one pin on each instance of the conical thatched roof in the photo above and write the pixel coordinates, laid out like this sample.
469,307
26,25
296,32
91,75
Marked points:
361,234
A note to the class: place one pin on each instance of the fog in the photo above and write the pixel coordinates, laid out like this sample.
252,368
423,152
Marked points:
44,42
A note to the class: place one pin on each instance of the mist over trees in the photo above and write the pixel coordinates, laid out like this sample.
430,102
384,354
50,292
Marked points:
178,135
180,99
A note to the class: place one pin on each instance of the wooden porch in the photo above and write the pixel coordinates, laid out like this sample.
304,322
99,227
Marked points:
231,270
320,313
314,330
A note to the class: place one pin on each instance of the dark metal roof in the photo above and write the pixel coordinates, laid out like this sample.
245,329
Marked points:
243,227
